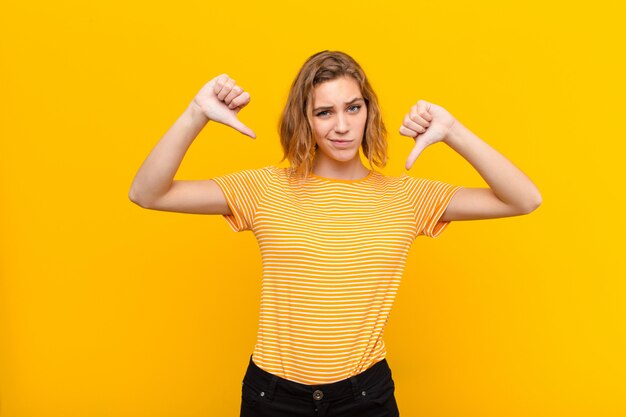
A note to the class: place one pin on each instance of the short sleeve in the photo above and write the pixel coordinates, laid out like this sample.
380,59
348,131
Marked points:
243,191
429,199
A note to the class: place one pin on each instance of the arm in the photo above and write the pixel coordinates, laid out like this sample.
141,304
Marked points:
511,192
156,174
153,186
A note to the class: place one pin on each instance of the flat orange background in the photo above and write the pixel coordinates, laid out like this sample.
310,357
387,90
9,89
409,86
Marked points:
108,309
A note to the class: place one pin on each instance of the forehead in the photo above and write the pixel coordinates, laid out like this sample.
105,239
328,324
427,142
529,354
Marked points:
337,90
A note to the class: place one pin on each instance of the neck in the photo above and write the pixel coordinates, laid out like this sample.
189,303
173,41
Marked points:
349,170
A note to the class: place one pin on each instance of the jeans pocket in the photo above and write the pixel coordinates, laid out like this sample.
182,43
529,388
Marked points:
249,394
381,393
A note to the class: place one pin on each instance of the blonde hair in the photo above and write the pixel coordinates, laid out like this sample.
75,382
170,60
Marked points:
294,126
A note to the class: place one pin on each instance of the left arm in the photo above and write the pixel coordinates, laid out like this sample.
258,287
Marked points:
511,192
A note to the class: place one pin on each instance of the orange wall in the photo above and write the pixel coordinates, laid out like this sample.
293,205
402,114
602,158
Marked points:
108,309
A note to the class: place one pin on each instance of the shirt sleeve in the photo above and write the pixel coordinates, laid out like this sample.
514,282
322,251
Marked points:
243,191
429,199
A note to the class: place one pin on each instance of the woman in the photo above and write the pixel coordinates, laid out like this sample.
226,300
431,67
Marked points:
334,235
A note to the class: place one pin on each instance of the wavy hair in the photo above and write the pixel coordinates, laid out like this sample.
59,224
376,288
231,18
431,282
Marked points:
294,126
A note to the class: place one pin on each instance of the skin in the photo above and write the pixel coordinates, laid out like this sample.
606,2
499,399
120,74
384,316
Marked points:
334,119
510,191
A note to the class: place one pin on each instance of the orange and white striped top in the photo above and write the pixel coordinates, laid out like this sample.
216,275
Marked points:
333,254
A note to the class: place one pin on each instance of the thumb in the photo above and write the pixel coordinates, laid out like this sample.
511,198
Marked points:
420,145
422,141
239,126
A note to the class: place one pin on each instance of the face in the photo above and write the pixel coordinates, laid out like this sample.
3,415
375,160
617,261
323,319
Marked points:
339,117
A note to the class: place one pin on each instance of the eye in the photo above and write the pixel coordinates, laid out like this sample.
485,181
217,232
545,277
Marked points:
351,107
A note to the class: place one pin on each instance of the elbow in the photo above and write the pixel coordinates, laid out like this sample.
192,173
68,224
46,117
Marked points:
132,196
533,204
134,200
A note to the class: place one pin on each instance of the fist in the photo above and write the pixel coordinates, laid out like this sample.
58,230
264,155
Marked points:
221,99
427,123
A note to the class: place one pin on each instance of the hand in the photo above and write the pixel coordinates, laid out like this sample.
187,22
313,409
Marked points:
220,100
428,123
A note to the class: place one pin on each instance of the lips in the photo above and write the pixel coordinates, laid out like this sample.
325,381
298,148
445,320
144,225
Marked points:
341,144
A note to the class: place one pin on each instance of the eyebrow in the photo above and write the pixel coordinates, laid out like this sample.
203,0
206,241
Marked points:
354,100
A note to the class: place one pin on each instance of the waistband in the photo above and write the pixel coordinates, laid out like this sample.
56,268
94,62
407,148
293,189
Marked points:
352,386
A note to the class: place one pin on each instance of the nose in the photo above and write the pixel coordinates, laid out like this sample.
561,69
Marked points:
342,124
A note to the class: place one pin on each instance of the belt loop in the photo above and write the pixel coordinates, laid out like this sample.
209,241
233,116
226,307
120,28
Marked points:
355,387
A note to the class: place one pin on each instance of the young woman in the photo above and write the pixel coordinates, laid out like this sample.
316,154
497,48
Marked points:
334,235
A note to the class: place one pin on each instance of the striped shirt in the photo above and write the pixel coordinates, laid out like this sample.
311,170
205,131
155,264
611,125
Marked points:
333,254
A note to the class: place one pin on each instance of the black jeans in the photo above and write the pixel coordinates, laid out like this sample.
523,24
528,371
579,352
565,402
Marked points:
368,394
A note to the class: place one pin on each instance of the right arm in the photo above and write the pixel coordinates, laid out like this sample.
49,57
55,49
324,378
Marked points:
154,187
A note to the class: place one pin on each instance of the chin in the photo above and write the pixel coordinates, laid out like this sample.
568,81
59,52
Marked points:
345,155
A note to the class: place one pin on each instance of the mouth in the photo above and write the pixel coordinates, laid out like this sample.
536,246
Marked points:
340,140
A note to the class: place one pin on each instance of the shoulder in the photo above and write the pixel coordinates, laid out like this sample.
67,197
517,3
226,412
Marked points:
422,187
264,172
411,181
391,180
259,177
275,171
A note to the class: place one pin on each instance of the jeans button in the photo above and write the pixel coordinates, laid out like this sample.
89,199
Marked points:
318,395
